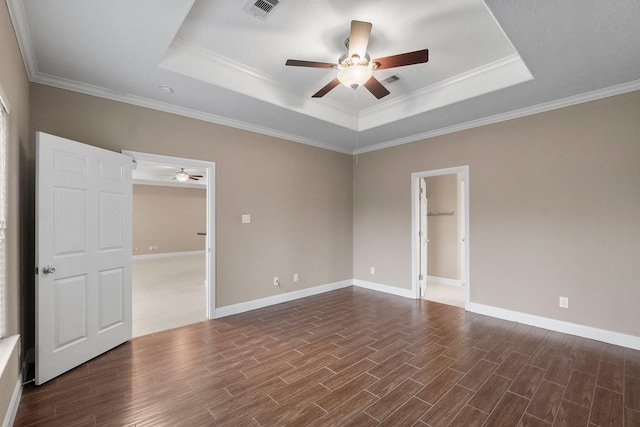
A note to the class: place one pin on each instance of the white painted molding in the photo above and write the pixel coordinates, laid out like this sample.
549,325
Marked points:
527,111
393,290
202,64
445,281
4,101
168,254
494,76
278,299
616,338
12,411
19,20
140,101
7,346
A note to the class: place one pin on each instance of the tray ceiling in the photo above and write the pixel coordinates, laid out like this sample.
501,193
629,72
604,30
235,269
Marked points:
212,60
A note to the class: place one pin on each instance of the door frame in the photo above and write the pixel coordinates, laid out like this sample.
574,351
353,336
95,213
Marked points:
210,177
415,226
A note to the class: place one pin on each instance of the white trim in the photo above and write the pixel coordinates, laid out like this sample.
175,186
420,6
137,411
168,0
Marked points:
278,299
509,115
7,347
445,281
193,61
21,27
4,100
616,338
168,254
393,290
12,411
194,185
415,226
210,179
500,74
178,110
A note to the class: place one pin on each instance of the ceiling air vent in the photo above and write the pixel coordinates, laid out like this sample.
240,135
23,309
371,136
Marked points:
390,79
261,9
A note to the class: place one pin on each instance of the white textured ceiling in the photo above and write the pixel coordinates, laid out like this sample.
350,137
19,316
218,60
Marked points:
488,61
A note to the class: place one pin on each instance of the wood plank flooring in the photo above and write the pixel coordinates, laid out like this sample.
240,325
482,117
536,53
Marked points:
351,357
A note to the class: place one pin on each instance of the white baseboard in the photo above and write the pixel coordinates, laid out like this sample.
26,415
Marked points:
10,417
616,338
168,254
624,340
445,281
278,299
407,293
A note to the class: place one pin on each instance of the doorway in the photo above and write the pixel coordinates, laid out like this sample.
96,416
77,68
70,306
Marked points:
199,279
440,246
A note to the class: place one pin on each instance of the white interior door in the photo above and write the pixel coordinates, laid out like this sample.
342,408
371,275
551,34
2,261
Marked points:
83,253
424,238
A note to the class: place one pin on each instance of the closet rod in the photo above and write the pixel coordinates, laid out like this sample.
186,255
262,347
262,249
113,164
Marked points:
441,214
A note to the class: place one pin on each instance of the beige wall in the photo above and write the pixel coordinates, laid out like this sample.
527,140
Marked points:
443,255
168,217
299,197
554,210
15,85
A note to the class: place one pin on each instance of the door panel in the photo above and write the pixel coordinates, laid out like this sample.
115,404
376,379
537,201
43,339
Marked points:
83,230
111,297
70,311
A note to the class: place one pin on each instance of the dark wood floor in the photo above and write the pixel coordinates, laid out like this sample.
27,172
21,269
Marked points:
349,357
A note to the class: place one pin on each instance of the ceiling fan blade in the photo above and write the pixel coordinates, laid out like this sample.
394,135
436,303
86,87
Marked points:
322,92
197,176
193,177
376,88
312,64
409,58
359,38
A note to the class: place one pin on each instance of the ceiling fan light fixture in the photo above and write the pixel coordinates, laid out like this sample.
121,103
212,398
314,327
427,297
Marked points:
182,176
355,76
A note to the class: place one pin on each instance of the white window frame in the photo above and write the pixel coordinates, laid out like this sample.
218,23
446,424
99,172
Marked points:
4,145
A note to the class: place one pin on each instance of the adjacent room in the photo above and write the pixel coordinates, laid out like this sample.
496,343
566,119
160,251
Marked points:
393,213
169,265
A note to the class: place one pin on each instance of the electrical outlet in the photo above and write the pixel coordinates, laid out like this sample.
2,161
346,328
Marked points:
372,270
564,302
295,277
276,281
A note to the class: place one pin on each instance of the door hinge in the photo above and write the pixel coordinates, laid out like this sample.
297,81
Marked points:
36,271
421,277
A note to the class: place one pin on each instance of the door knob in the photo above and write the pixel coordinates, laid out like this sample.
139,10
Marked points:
48,270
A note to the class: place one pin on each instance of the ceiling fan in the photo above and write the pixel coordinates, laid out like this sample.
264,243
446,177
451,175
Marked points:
355,66
182,176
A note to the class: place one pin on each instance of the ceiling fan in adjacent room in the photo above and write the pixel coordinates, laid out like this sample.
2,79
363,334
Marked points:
355,66
182,176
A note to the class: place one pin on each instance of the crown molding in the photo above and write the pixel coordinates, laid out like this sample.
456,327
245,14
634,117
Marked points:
491,77
201,64
21,28
173,109
522,112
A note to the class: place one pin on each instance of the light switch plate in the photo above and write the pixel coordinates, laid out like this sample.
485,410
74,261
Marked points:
246,219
